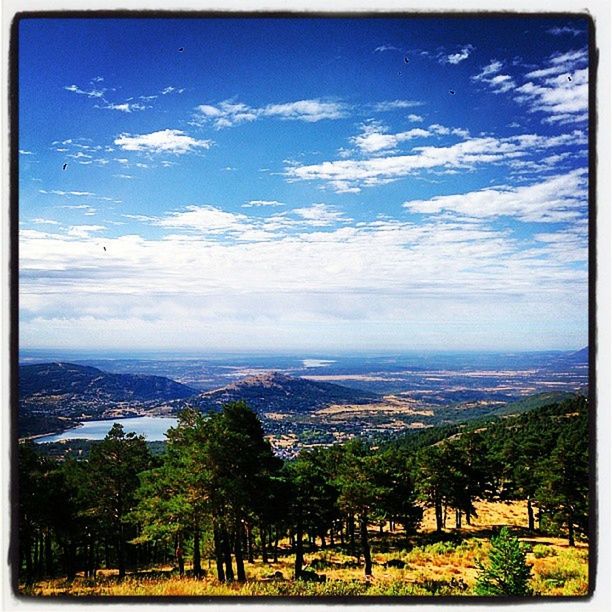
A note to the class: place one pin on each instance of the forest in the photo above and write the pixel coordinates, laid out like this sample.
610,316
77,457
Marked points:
219,508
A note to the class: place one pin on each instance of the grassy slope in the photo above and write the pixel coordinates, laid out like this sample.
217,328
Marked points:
447,567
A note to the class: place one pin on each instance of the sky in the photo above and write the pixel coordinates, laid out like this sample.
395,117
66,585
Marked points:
314,185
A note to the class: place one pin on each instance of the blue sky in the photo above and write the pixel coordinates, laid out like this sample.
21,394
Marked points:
303,184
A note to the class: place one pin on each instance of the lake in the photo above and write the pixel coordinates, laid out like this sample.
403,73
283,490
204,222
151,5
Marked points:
152,428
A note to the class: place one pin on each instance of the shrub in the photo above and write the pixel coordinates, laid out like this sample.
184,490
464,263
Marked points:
540,551
507,572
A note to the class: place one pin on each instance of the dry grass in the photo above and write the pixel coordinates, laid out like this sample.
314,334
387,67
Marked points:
446,567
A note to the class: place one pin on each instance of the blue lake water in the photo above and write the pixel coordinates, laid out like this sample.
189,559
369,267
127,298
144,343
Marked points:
152,428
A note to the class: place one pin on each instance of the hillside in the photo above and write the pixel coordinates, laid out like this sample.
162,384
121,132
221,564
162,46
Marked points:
276,392
70,381
54,396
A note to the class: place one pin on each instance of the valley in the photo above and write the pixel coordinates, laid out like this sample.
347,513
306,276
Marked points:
302,402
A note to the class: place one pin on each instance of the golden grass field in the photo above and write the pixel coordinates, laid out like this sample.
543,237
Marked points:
439,568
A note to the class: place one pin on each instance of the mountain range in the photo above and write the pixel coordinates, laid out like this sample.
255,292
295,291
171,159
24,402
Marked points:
55,396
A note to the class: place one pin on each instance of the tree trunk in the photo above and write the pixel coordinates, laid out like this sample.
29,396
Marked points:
530,517
227,555
365,544
570,531
299,551
48,555
238,541
351,533
539,519
276,546
218,554
249,535
178,553
458,519
71,561
121,551
41,555
264,549
197,559
438,510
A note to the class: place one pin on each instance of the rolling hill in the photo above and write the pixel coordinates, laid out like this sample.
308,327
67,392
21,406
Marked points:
55,396
276,392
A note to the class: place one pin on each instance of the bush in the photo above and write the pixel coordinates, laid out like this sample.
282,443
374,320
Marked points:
507,572
540,551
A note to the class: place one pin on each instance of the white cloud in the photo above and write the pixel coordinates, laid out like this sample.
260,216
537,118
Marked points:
168,90
206,219
382,48
492,67
556,199
162,141
92,93
456,58
125,107
499,83
559,31
391,105
83,231
229,113
560,90
351,175
320,215
260,203
24,152
373,278
373,138
414,118
40,221
306,110
67,193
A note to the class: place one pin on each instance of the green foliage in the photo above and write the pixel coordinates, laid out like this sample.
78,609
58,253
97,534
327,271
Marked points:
507,572
219,490
540,551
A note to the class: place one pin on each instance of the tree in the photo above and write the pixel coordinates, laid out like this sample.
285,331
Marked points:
468,474
313,500
432,480
114,465
358,491
564,478
507,572
397,495
174,497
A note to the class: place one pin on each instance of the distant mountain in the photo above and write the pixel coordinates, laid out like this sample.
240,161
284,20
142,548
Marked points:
580,357
56,396
276,392
51,381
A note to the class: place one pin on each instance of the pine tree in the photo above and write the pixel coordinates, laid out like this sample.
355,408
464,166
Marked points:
507,572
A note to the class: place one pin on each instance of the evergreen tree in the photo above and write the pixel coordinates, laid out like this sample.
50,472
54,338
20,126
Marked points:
114,466
507,572
564,479
359,492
